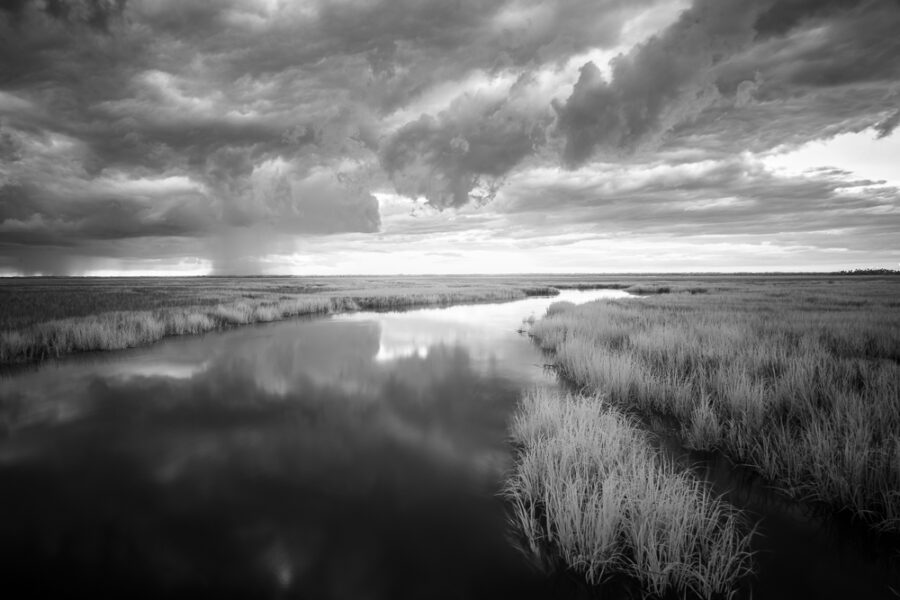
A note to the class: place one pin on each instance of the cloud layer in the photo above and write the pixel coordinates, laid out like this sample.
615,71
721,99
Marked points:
233,131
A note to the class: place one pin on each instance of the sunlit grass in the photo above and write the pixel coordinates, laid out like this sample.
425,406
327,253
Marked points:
114,330
589,486
800,381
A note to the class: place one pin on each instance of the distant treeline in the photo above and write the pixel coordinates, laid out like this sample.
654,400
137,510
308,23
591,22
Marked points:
871,272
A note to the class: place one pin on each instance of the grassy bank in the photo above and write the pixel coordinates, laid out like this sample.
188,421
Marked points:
113,330
44,317
589,487
800,381
50,316
32,300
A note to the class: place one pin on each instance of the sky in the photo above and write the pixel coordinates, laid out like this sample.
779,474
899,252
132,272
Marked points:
319,137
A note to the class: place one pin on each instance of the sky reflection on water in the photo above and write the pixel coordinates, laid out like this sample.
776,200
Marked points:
355,456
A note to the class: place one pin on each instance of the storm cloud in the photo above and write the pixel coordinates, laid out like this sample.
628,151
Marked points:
721,57
462,154
230,132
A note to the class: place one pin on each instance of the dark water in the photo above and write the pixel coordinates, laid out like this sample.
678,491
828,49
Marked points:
351,457
801,550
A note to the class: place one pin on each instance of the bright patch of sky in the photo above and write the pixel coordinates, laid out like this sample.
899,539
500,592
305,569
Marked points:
863,155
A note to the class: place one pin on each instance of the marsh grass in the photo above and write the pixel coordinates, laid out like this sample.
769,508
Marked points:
590,487
114,330
647,289
801,382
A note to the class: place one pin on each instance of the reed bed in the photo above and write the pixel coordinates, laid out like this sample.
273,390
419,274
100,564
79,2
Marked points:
802,383
114,330
589,487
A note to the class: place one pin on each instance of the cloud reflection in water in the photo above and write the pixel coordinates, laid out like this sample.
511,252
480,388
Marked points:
300,458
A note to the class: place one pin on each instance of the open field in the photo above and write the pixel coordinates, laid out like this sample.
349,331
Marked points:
590,487
799,379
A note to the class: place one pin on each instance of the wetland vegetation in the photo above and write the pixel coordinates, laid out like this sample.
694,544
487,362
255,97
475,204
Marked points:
589,486
800,381
51,317
44,317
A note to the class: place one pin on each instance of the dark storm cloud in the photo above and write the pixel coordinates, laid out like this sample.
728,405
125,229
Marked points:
94,13
9,148
659,84
783,15
887,127
721,56
763,124
31,215
265,113
833,48
838,74
93,95
463,153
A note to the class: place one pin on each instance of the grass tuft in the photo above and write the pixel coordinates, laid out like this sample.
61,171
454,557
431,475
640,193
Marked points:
590,487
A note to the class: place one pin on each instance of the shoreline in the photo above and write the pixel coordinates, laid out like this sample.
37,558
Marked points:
792,383
804,397
44,318
119,330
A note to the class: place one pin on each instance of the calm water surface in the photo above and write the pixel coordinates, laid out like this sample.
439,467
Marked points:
356,456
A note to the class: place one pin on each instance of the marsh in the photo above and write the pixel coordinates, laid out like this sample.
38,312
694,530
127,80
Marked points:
370,454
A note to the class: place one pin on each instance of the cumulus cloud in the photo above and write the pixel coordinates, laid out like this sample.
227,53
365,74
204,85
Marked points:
723,56
659,84
463,153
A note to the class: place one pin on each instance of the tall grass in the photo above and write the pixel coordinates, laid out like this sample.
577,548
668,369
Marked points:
124,329
804,385
113,330
589,486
